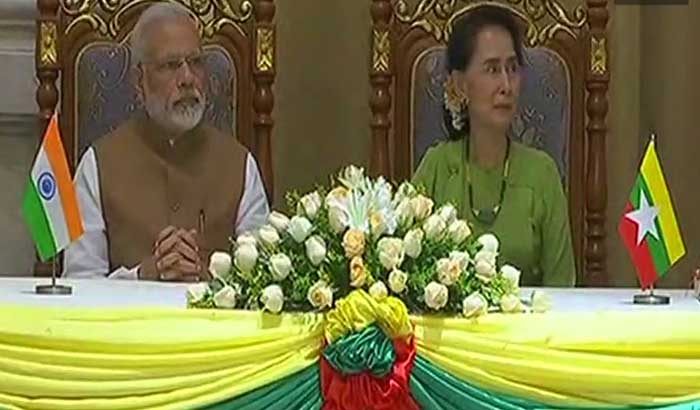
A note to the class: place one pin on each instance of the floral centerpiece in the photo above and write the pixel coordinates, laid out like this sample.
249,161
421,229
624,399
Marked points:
361,234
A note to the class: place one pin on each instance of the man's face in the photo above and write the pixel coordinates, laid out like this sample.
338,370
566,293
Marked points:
173,76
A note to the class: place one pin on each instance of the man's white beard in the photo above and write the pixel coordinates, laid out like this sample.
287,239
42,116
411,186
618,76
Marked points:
181,118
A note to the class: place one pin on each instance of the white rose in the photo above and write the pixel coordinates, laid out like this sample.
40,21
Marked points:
511,274
434,227
246,238
279,220
489,242
413,242
226,297
511,304
484,271
281,266
448,271
378,290
377,223
422,207
269,236
486,256
219,264
320,295
309,205
197,292
404,213
459,231
391,252
397,281
245,257
540,301
474,305
462,258
316,250
338,218
299,228
448,213
436,295
358,272
272,298
338,195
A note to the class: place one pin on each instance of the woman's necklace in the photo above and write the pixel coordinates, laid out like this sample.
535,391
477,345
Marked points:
487,216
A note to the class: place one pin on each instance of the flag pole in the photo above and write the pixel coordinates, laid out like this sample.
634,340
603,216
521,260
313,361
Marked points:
53,288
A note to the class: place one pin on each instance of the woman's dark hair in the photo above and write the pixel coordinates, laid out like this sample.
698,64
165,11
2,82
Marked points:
462,43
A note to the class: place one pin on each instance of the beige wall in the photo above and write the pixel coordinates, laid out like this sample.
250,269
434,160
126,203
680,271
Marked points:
322,91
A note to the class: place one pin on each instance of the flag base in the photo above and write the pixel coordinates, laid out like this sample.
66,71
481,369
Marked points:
651,299
53,290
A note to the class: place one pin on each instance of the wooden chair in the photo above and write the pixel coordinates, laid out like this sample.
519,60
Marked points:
82,55
562,109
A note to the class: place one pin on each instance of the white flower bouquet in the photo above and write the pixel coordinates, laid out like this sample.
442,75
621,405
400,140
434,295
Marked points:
361,234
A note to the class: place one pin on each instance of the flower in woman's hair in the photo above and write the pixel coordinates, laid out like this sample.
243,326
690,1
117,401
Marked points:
354,243
320,295
358,272
435,295
455,102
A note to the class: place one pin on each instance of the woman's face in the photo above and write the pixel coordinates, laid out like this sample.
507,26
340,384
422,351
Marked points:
491,81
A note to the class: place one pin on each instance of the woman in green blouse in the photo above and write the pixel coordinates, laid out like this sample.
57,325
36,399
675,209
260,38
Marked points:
500,186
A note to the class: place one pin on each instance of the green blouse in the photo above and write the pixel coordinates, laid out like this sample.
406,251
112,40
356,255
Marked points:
533,224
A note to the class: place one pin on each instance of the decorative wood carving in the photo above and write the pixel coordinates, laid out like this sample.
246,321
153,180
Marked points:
597,80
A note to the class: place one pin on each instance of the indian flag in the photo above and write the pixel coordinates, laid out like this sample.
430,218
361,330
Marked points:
648,226
50,206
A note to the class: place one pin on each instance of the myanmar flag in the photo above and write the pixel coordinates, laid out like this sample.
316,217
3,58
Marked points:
50,206
648,226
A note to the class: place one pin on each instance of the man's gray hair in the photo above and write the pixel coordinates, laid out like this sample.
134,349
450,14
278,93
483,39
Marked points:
158,13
